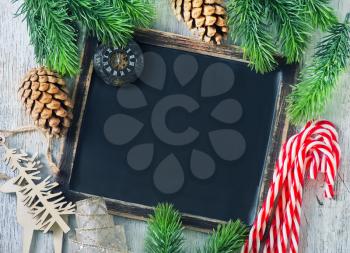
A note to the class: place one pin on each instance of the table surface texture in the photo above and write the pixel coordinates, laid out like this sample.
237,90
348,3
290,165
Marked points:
325,225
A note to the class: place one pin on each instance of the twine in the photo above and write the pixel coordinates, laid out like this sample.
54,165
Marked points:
101,248
95,235
8,133
4,176
95,229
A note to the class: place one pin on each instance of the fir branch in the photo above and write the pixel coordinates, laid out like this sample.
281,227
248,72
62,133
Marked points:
227,238
246,19
318,80
52,35
140,12
107,23
164,234
320,14
292,27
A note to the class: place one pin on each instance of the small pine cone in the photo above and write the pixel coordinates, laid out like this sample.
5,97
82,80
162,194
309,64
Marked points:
46,100
207,19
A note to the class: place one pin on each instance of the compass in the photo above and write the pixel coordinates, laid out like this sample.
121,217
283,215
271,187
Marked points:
119,65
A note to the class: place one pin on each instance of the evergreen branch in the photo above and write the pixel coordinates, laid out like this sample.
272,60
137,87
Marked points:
292,27
227,238
320,14
140,12
52,35
107,23
246,19
164,234
318,80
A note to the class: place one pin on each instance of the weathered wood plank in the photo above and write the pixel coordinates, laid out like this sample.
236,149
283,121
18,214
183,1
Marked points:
324,223
16,57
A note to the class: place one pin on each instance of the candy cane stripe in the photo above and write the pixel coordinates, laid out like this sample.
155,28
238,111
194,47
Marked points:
315,149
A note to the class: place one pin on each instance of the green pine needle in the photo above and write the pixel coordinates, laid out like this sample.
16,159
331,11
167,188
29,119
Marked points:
107,23
320,14
52,35
246,19
318,80
227,238
164,234
140,12
51,30
292,28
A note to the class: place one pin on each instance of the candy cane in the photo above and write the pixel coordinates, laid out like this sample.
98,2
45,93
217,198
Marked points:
313,150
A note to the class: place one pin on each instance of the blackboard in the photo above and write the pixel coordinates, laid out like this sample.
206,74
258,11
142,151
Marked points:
195,130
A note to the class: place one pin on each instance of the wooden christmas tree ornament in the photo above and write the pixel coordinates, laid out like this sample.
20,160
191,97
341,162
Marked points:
205,18
46,99
38,207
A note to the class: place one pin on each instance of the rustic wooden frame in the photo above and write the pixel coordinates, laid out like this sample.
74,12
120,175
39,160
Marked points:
279,131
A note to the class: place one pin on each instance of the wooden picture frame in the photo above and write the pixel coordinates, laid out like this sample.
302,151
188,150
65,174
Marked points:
279,131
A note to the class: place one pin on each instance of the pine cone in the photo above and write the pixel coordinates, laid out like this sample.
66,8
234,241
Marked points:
46,99
205,18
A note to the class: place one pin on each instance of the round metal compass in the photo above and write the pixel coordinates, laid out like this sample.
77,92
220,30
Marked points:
118,66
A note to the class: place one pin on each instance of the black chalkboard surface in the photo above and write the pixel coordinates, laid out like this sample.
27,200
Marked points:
194,130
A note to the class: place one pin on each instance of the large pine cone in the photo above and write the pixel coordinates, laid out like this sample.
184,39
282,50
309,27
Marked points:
205,18
46,99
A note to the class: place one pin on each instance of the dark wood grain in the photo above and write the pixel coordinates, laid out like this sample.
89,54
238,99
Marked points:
141,212
80,94
279,131
175,41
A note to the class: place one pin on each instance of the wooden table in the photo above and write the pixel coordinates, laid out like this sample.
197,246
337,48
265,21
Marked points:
325,223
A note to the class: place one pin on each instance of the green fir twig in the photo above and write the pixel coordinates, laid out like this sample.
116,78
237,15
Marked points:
292,28
164,234
320,14
140,12
51,26
252,21
246,19
227,238
318,80
108,24
52,34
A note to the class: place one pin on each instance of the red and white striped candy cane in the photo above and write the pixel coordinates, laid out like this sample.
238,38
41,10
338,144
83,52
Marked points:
313,150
